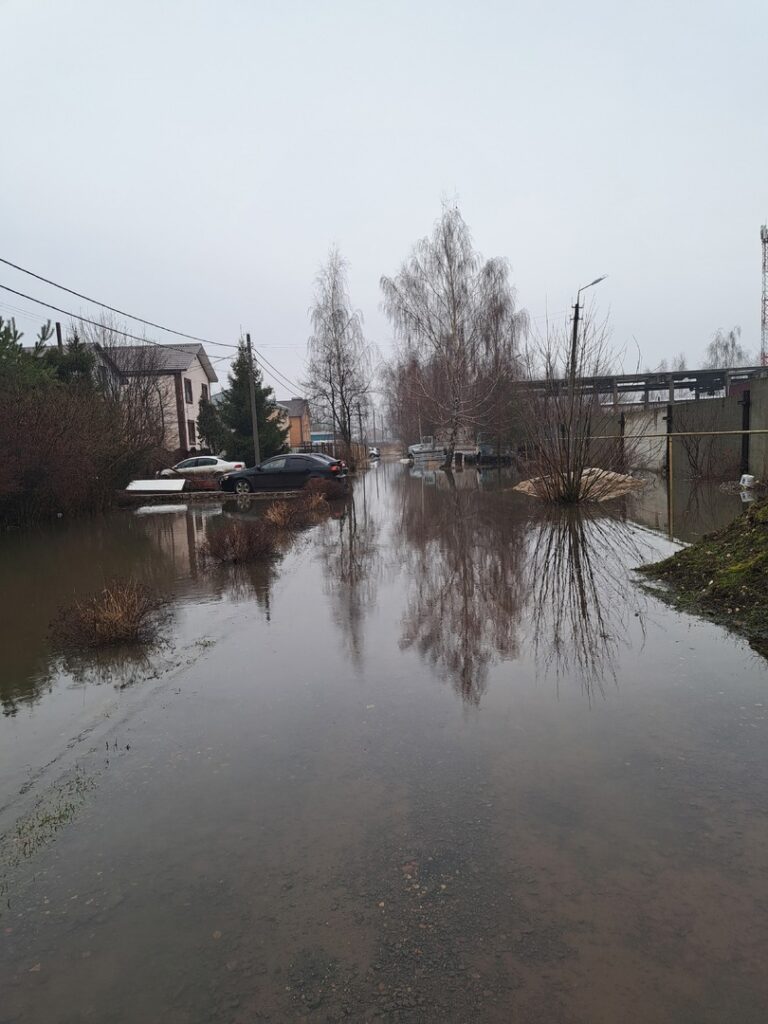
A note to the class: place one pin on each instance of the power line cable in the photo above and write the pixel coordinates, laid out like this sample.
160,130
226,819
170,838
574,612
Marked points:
113,309
115,330
286,381
84,319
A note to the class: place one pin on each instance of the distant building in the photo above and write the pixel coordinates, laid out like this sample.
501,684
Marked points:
296,411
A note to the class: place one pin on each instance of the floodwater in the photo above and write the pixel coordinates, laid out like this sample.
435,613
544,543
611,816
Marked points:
443,761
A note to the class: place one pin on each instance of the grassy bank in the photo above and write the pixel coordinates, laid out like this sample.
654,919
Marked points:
724,576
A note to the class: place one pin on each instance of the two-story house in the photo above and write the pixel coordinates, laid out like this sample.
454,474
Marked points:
184,377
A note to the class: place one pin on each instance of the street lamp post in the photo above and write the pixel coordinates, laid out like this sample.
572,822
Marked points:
575,336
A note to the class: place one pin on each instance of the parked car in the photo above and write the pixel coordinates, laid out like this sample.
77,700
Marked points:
329,458
283,473
202,465
426,449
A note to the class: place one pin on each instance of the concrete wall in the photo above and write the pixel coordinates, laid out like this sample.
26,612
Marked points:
644,451
758,443
713,457
717,458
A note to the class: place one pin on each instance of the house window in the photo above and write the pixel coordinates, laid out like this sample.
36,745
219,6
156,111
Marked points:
188,390
191,431
204,392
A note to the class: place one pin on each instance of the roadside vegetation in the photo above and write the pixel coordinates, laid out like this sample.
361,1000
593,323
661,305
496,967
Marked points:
238,541
70,435
123,612
74,429
724,576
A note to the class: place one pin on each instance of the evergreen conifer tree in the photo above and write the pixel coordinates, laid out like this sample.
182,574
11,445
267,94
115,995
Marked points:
236,413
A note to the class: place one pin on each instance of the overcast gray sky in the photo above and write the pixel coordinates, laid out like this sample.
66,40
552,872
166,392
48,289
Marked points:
193,161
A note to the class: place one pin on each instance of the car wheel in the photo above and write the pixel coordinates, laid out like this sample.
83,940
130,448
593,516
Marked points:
242,487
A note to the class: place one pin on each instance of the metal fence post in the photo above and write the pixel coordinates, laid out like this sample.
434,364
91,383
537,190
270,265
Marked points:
745,404
670,474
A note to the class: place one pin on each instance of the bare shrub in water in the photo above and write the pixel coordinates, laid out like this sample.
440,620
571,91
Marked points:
240,540
568,431
280,515
333,490
294,515
248,540
123,612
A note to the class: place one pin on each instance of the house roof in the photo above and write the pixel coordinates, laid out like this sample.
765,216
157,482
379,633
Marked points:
294,406
166,358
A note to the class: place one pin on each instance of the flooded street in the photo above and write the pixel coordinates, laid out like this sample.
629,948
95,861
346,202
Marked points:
444,760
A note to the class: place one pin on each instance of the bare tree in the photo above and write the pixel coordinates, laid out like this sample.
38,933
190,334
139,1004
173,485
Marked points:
339,373
454,316
408,415
725,350
132,379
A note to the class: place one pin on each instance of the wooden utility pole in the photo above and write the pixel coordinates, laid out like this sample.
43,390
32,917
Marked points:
252,392
59,341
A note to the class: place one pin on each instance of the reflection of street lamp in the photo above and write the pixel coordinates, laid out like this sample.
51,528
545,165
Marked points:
575,338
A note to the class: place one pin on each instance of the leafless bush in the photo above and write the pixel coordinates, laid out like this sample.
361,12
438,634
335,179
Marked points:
315,503
69,442
203,483
280,515
568,430
296,514
332,490
123,612
63,453
130,377
240,540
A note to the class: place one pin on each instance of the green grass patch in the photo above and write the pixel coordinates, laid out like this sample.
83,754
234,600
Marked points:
724,576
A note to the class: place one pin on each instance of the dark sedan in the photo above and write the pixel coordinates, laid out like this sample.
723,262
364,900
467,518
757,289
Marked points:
283,473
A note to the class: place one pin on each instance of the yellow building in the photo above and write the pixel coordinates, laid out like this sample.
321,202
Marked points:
299,424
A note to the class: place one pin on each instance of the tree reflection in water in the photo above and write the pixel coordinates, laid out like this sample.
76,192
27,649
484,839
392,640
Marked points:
351,559
465,557
485,569
582,596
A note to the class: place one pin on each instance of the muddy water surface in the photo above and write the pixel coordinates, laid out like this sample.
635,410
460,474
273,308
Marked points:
443,761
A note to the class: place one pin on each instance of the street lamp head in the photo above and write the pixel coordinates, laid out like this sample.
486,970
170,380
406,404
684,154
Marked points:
595,282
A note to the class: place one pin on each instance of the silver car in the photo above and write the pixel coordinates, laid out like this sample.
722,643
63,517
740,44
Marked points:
202,465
